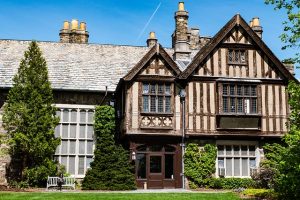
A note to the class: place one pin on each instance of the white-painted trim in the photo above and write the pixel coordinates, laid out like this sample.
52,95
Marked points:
232,156
70,106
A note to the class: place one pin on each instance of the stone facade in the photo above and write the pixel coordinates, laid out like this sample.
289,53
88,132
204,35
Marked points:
4,158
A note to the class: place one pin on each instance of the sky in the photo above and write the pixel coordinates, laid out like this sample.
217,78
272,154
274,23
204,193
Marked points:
124,21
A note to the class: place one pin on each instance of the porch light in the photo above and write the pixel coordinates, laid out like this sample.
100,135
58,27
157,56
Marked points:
182,93
133,157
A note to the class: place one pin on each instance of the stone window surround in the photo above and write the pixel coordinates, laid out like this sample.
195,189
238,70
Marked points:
240,143
76,155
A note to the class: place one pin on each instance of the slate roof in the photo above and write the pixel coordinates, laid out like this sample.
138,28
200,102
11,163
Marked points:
84,67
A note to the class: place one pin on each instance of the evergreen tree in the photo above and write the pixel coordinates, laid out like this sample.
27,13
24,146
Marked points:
111,169
29,119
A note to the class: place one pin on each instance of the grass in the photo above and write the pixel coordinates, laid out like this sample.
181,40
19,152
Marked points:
116,196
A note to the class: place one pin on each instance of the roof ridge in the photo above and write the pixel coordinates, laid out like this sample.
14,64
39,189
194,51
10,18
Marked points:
57,42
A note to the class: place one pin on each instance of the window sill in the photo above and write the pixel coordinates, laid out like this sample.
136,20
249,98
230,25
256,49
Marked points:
157,127
240,114
157,114
239,129
242,64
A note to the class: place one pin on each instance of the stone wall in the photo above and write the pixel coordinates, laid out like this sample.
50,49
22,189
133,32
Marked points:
4,157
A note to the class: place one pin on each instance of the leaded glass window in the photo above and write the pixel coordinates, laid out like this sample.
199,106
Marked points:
239,98
158,99
237,57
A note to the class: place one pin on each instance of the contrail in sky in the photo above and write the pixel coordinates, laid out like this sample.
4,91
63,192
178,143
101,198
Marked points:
148,22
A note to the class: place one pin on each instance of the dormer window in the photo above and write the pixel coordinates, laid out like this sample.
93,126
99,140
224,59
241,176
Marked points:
156,98
237,56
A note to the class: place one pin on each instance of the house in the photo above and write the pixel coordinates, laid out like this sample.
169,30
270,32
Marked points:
229,90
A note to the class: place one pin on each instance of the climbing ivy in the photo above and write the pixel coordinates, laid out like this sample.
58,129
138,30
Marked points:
200,164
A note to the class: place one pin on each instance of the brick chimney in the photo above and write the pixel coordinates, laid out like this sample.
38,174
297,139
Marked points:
255,25
151,41
180,36
74,33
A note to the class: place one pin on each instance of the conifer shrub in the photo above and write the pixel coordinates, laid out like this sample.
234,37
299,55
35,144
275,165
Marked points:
111,168
29,119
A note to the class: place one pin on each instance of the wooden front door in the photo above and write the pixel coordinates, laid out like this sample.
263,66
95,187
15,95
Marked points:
156,167
155,171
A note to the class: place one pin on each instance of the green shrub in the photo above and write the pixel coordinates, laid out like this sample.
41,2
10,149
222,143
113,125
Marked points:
18,184
39,174
200,164
111,169
231,183
264,178
260,193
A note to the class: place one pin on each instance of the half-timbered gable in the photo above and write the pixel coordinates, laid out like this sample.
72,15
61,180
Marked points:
151,95
236,85
236,94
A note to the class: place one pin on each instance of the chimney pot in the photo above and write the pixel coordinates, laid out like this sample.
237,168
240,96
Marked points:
251,24
181,6
66,25
255,22
151,41
74,24
82,26
257,28
152,35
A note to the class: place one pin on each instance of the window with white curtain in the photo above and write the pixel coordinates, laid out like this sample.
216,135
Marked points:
238,98
237,159
77,138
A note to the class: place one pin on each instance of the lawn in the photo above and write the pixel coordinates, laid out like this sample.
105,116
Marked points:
116,196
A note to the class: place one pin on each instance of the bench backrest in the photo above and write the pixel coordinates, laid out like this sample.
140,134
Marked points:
68,181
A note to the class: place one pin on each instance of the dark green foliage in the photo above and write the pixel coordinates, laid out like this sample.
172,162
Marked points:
291,25
111,169
231,183
29,120
283,159
200,164
260,193
264,178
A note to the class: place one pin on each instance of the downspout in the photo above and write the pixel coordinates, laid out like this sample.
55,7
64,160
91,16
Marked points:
182,97
104,96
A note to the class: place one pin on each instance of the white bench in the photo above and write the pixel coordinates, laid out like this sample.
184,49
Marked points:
53,182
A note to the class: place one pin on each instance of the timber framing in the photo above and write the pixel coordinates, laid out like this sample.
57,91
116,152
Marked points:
236,21
155,50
